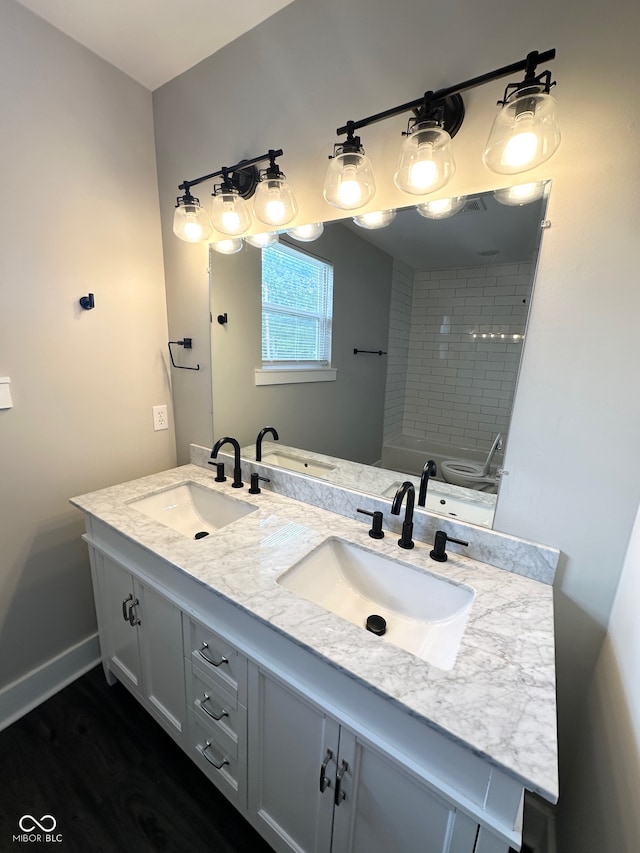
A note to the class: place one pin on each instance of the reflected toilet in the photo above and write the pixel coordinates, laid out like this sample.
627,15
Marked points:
472,475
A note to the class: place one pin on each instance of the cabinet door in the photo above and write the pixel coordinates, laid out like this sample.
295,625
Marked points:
293,747
161,658
381,806
118,637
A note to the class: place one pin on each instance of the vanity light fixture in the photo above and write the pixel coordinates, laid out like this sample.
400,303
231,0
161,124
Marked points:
191,221
349,183
376,219
524,135
230,214
275,203
441,208
306,233
526,131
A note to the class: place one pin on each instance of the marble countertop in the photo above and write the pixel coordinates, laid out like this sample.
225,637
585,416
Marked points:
499,698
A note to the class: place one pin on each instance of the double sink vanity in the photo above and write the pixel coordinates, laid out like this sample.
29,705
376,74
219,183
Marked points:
238,621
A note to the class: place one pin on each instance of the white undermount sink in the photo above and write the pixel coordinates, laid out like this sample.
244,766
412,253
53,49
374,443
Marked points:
425,614
293,462
192,509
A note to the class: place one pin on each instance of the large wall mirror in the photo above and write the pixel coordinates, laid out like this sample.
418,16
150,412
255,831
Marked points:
445,301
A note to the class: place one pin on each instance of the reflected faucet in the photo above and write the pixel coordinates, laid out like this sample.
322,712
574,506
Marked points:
407,489
261,435
237,471
430,470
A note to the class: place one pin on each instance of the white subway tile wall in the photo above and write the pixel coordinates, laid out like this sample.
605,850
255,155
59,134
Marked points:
458,387
398,348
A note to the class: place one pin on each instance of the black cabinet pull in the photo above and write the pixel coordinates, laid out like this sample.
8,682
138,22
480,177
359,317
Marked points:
340,794
325,782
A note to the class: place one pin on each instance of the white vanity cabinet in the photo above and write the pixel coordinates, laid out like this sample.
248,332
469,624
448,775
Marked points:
141,640
316,787
316,760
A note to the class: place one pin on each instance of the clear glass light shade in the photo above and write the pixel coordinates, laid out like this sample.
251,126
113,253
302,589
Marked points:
229,213
262,240
349,182
275,203
306,233
191,222
441,208
525,133
426,160
377,219
520,194
228,247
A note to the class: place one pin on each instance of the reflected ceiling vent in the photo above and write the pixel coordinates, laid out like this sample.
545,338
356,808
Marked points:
473,205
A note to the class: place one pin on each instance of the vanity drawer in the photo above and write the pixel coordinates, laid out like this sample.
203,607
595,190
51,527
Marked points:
228,773
218,711
224,665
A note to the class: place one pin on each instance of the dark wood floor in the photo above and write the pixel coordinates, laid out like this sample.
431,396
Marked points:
113,780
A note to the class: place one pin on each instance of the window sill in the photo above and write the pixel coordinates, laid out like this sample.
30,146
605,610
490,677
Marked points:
294,375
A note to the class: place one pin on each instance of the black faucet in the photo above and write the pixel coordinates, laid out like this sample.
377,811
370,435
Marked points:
237,471
430,470
409,490
261,435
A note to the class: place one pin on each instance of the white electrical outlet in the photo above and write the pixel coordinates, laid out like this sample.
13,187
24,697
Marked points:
160,418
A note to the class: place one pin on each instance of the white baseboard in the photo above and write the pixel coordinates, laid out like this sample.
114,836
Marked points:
26,693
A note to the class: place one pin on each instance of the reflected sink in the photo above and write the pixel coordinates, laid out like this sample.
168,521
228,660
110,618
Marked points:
426,614
302,464
192,509
477,509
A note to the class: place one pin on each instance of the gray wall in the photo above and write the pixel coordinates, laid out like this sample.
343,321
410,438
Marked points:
295,78
79,214
361,294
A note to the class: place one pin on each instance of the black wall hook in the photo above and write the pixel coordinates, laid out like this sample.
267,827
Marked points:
87,302
222,318
187,344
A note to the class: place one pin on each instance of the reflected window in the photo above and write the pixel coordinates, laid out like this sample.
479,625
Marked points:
297,308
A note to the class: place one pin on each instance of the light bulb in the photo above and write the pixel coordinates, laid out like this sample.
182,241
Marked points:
349,190
190,221
275,211
230,221
423,173
375,219
426,160
521,149
306,233
275,203
525,133
349,182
